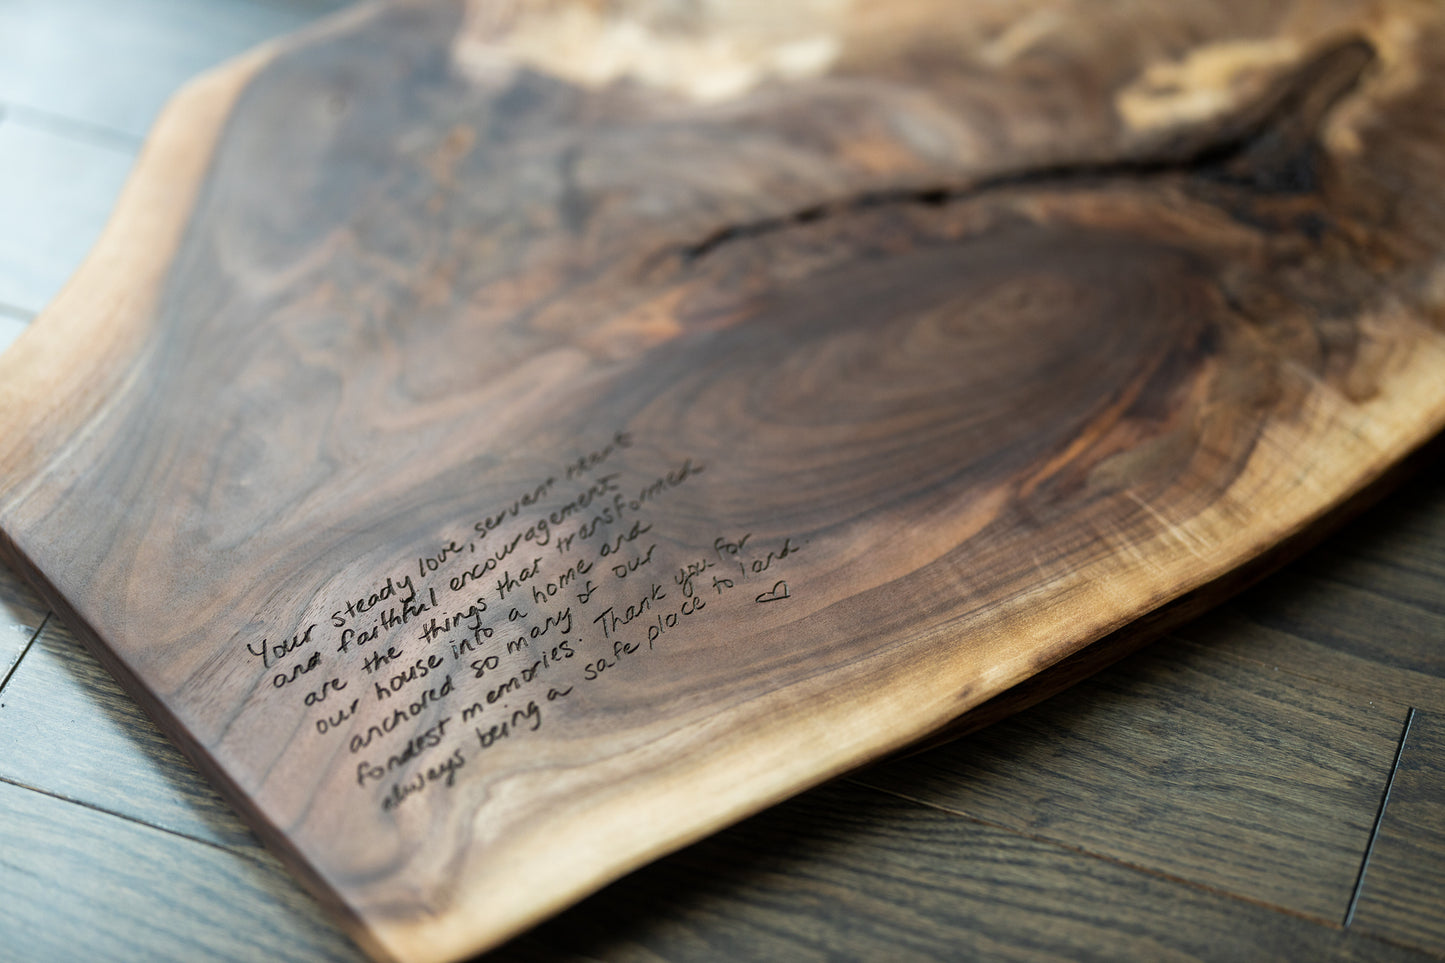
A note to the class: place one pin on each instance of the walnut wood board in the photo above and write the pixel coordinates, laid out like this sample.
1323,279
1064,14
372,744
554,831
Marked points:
501,444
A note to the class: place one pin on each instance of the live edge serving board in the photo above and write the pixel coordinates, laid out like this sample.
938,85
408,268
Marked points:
503,443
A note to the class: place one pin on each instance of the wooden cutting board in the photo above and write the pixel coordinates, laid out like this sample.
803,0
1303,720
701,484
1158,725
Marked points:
503,443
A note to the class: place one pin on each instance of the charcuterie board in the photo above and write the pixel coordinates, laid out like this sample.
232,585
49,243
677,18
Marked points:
503,443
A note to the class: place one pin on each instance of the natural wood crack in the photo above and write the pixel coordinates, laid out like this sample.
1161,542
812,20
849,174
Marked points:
1270,147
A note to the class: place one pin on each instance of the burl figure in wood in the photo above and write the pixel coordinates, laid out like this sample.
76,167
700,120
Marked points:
502,443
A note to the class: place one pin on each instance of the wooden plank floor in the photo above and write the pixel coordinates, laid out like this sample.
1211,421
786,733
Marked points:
1268,782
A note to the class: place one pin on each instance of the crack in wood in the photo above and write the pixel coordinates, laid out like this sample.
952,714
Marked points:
1268,148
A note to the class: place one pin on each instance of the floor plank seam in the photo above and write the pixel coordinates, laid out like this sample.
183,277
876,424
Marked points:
97,135
1282,669
1112,860
1342,684
233,850
1374,592
25,651
1379,820
1393,565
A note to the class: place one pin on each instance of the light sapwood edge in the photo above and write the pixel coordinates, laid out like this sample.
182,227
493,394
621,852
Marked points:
196,753
1161,625
97,323
57,375
700,797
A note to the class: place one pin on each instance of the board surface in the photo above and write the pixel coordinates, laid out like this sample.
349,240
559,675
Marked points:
694,428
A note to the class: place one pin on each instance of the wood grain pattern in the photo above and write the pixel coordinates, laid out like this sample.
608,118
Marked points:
977,390
1364,613
1403,890
1344,626
133,893
101,750
1270,795
12,322
76,735
104,69
844,873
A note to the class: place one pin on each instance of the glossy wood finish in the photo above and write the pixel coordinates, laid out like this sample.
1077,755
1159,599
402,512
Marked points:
1103,457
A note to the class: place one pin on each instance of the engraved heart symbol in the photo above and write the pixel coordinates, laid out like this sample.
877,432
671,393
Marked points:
780,591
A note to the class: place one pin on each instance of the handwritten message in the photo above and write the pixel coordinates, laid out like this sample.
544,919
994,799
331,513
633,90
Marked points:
469,642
